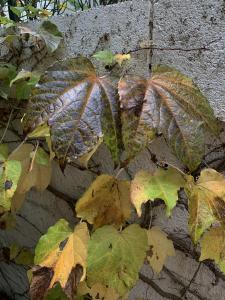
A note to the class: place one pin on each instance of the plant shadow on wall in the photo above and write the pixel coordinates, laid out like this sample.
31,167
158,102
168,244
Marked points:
66,113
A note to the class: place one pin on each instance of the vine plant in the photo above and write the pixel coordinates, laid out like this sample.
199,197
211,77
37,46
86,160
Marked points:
74,110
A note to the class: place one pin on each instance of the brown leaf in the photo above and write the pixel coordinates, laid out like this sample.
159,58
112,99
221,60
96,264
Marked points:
40,281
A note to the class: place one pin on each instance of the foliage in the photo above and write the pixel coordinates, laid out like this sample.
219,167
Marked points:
67,111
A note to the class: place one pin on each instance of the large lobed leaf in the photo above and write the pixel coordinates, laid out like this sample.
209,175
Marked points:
79,107
206,202
171,104
114,258
107,201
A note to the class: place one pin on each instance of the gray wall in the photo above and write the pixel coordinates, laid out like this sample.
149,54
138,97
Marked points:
186,34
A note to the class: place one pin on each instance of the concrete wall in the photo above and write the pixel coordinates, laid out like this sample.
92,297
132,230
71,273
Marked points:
187,34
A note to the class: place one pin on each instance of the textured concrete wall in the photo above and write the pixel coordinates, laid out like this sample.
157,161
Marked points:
187,34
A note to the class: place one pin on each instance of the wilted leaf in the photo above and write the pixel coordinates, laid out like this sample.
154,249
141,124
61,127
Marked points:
51,35
10,172
160,248
22,48
40,282
213,247
163,184
170,103
114,258
36,172
107,201
49,242
206,202
78,106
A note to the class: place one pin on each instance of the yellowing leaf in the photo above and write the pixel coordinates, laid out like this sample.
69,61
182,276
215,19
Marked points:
41,131
49,242
114,258
107,201
163,184
37,175
120,58
160,248
64,253
206,202
97,291
10,172
74,253
213,247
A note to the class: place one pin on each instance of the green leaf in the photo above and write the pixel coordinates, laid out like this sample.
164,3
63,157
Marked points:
23,84
105,56
79,108
51,35
6,22
3,152
163,184
56,293
51,240
10,172
171,104
17,10
213,247
42,157
114,258
7,73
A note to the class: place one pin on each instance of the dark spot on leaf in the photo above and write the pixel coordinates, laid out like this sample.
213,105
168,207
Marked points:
63,244
8,185
110,246
150,252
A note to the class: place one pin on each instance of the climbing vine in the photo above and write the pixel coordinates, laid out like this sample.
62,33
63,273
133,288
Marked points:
67,111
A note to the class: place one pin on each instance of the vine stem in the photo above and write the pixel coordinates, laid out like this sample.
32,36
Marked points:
7,126
119,172
33,158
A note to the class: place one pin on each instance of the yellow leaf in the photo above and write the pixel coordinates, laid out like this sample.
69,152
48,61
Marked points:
213,246
120,58
107,201
97,291
206,202
160,248
74,253
38,176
